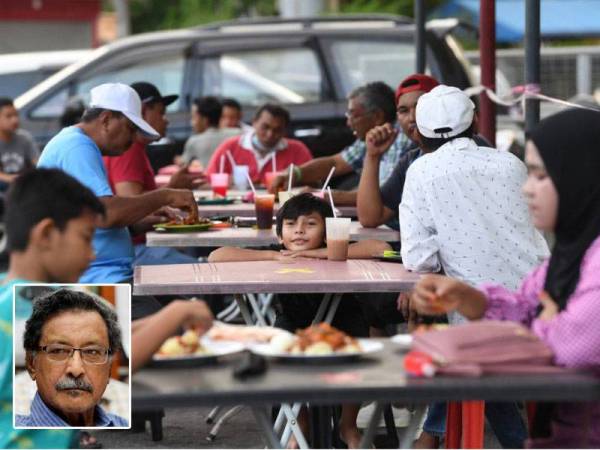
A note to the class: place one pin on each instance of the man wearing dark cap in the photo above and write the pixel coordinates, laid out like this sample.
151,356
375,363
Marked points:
131,174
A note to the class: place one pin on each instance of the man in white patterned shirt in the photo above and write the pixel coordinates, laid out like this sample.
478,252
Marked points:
463,213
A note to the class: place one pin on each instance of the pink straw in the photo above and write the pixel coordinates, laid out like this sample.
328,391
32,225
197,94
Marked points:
290,177
274,162
222,164
231,160
327,180
331,201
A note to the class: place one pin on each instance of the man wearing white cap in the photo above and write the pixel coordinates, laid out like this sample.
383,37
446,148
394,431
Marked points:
108,127
463,213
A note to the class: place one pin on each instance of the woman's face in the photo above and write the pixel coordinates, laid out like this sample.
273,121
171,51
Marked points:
539,190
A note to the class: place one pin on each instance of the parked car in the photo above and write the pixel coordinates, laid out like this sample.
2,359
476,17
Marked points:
19,72
308,65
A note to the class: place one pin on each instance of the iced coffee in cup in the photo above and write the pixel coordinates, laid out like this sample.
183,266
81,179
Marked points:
219,183
264,211
338,236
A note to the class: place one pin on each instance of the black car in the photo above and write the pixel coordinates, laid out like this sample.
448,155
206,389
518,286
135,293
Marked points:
308,65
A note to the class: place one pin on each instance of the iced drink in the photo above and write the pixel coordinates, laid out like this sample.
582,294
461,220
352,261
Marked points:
338,235
219,183
264,211
240,177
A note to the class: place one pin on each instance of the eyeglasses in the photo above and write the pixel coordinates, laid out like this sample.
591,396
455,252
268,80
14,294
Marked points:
89,355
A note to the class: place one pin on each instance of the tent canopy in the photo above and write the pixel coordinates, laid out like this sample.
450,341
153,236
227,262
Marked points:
559,18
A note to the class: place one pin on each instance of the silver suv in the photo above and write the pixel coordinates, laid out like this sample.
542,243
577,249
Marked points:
308,65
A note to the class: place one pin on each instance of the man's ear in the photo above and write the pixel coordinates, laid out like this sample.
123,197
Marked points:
29,364
104,118
42,233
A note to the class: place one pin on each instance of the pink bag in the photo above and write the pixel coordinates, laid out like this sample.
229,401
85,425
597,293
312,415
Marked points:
480,347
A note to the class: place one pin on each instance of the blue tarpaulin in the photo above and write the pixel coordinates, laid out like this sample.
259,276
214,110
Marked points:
559,18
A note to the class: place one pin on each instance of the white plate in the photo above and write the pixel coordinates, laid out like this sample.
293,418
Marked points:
368,347
403,340
214,350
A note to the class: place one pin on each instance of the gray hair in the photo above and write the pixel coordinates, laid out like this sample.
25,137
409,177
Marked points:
377,96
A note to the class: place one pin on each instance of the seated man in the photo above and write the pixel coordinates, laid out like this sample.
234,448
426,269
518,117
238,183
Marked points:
368,106
208,135
231,116
69,340
131,174
18,151
463,212
256,149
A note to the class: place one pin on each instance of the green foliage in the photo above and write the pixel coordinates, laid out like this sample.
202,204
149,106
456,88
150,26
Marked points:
402,7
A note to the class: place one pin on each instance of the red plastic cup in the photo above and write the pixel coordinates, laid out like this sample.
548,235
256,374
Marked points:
264,211
219,183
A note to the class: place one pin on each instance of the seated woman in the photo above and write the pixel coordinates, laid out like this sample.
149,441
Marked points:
560,300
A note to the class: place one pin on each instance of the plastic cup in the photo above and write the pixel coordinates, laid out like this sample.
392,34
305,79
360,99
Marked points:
284,196
240,180
338,236
269,177
219,183
264,211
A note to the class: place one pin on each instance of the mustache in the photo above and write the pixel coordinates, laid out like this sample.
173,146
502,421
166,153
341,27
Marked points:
68,383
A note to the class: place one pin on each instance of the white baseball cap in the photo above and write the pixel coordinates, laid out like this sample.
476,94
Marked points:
122,98
444,112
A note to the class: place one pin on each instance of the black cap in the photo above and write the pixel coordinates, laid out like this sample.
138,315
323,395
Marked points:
150,94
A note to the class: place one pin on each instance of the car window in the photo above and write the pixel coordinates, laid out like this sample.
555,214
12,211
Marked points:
255,77
15,83
53,106
362,61
166,73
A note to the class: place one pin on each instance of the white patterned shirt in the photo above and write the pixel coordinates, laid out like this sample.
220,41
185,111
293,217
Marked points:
463,212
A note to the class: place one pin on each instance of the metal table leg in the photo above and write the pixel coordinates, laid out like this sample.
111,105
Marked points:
413,426
264,422
369,434
256,310
246,314
322,308
321,426
333,307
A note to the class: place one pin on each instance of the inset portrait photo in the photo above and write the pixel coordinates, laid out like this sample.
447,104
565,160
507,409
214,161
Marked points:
71,347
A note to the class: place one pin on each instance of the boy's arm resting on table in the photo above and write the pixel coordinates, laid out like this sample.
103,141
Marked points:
230,254
367,249
149,333
343,198
124,211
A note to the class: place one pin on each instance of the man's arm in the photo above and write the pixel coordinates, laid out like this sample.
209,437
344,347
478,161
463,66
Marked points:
125,211
370,208
314,172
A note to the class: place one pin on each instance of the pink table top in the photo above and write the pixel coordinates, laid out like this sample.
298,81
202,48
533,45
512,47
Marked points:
247,210
298,276
250,237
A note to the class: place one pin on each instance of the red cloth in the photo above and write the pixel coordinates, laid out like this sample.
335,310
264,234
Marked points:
294,152
133,166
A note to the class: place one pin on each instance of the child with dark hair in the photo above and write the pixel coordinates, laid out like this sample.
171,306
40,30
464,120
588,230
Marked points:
50,220
301,232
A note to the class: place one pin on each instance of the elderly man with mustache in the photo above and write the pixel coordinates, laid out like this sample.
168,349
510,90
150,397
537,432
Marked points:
70,339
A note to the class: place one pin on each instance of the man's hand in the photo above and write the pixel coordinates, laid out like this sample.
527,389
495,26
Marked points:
436,294
408,311
183,199
183,179
280,182
380,139
197,315
318,253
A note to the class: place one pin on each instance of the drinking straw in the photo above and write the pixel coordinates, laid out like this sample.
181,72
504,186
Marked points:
231,160
250,182
274,162
290,177
327,180
331,201
222,164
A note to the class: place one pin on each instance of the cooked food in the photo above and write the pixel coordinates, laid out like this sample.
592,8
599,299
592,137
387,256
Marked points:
186,344
179,220
243,333
320,339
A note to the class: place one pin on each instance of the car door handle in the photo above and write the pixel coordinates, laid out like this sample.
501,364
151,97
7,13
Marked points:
307,132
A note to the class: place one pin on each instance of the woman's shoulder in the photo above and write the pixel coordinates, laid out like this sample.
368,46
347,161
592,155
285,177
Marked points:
590,266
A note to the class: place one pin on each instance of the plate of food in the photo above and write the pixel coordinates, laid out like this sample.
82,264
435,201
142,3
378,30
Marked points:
190,349
215,201
181,225
319,343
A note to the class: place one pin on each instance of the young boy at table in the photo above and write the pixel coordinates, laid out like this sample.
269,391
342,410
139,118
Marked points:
301,232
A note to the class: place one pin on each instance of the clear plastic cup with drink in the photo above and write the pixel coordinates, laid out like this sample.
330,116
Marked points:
263,204
338,237
240,177
219,183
